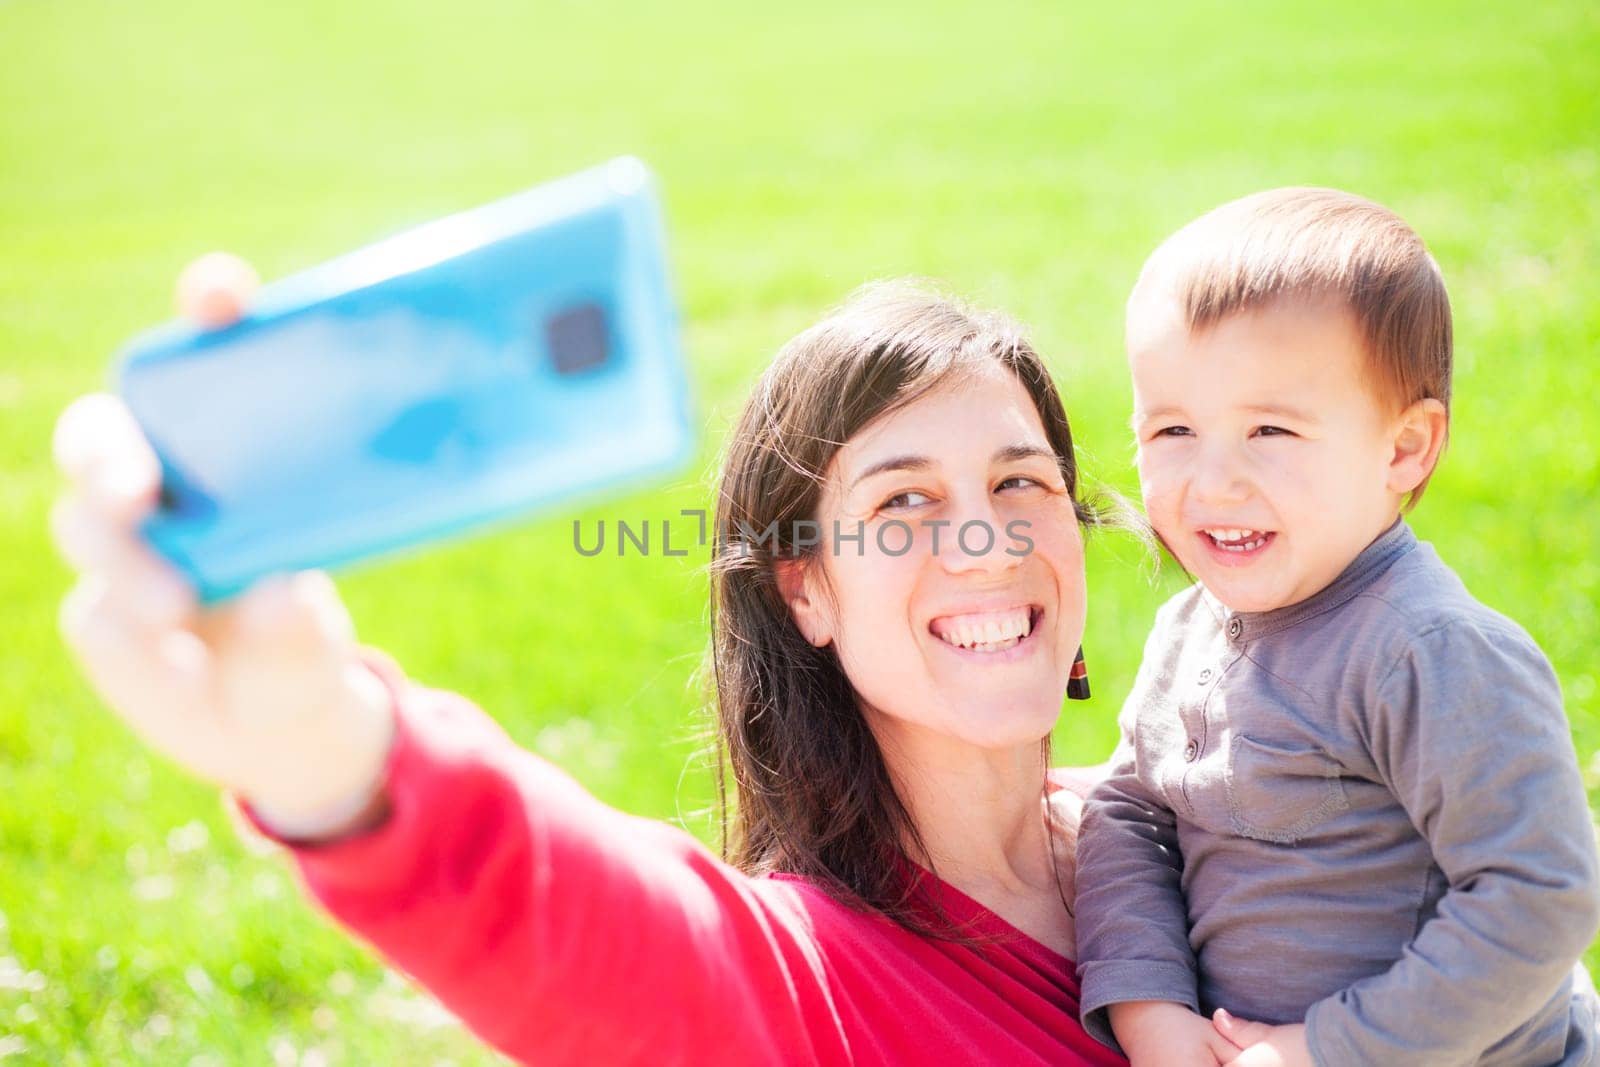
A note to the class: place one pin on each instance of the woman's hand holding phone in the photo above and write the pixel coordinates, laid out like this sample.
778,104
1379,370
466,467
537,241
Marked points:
265,694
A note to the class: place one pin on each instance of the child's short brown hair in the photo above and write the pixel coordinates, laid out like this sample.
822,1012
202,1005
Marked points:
1318,242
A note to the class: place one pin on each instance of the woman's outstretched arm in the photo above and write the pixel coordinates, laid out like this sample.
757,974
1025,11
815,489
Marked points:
560,929
556,927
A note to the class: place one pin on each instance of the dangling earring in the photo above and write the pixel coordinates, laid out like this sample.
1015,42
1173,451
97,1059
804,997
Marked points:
1078,680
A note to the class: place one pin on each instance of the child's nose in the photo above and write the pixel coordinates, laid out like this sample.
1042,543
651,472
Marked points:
1218,477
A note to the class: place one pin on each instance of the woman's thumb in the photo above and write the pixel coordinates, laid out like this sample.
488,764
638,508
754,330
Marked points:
214,290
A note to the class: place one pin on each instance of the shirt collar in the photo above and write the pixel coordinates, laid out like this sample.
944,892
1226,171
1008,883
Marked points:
1366,568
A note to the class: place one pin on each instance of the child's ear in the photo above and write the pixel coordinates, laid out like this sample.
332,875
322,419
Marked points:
1418,439
796,586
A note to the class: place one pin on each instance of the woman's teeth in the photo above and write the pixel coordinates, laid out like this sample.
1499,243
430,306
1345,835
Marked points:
1232,540
991,632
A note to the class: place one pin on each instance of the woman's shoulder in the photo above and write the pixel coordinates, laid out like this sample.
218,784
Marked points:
813,901
843,929
842,934
1076,780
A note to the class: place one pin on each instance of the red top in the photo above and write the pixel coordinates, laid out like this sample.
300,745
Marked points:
561,930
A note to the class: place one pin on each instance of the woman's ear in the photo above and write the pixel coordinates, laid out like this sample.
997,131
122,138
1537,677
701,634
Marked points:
796,586
1418,439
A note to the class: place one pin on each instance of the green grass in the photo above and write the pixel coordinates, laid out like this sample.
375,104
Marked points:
1029,155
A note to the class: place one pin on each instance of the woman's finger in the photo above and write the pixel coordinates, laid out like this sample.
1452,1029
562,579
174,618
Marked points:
214,290
102,451
155,679
140,584
82,535
148,591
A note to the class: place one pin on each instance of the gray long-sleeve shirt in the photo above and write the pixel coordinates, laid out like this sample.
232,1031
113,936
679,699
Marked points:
1362,811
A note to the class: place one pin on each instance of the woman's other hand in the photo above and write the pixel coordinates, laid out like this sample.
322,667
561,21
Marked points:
265,694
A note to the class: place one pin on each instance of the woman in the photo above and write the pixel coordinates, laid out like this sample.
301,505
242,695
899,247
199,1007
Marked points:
898,600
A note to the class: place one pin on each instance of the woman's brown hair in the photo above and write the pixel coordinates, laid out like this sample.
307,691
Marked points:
813,796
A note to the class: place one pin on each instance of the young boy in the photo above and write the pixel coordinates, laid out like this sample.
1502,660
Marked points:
1346,801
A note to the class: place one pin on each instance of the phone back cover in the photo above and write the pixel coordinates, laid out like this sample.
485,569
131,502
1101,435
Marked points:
455,374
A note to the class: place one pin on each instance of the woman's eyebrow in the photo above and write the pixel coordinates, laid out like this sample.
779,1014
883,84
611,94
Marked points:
893,463
1011,453
1008,454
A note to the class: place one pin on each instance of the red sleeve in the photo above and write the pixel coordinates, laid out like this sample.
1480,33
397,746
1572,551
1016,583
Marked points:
559,929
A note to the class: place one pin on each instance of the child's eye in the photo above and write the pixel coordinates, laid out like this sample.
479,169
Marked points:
1174,431
908,499
1273,431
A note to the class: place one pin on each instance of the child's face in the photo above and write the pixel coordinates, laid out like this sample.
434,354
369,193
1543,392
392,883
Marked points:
969,452
1264,455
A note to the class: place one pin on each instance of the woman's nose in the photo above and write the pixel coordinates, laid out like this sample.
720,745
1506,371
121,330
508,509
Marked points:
976,539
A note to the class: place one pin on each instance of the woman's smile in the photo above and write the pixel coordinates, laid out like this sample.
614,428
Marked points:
991,637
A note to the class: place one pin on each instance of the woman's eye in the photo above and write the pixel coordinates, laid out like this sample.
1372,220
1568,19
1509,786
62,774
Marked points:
908,499
1019,481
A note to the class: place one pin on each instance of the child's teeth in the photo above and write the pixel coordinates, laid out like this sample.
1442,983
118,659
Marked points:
1231,534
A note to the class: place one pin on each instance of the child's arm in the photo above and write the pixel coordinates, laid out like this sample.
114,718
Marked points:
559,929
1159,1033
1468,730
1136,969
1133,926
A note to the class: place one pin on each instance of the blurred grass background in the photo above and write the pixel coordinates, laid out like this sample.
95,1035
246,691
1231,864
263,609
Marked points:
1029,154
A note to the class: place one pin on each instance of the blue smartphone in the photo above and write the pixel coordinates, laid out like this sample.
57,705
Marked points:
458,373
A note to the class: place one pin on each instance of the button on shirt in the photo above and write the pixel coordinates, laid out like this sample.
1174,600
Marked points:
1362,811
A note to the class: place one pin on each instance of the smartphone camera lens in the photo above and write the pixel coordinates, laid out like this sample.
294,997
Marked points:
577,338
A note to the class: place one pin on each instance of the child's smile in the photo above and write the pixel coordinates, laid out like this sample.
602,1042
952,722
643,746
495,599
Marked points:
1241,545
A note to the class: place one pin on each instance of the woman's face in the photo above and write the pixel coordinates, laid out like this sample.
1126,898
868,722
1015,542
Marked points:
959,608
